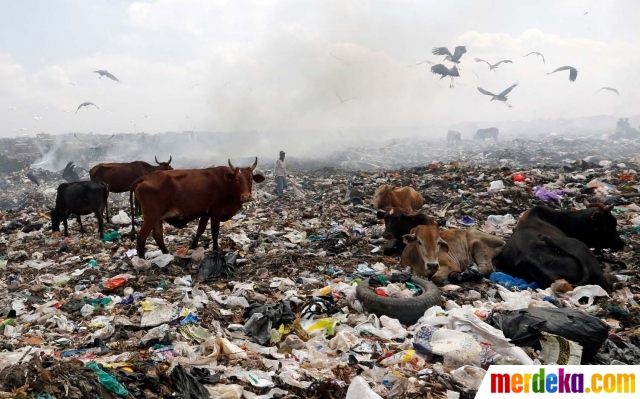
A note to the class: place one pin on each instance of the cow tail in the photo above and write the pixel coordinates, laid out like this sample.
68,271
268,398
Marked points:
133,216
106,199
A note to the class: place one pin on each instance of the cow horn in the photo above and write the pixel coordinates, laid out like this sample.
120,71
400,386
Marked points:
157,160
169,160
231,165
255,164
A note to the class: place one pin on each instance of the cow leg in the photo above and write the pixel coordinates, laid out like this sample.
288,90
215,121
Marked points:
482,254
100,223
80,223
157,236
215,230
144,232
66,225
202,225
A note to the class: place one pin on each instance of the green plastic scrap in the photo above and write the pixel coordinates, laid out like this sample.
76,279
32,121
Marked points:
162,285
93,263
97,302
108,381
382,280
114,235
411,286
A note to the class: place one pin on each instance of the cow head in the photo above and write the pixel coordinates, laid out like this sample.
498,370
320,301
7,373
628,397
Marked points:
56,219
164,165
429,244
398,222
603,228
379,196
244,178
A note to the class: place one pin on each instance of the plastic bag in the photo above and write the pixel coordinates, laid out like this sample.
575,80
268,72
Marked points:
496,185
115,282
588,291
524,327
162,260
187,384
108,381
559,350
469,376
121,218
359,389
216,265
262,318
511,282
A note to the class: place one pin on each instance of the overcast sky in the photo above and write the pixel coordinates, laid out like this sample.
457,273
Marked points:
267,64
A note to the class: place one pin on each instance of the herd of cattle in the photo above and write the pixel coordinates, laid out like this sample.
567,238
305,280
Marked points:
546,245
164,194
454,137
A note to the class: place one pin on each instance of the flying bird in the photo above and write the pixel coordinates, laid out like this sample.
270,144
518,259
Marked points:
106,73
197,84
499,97
145,116
188,117
345,61
67,112
442,70
36,117
586,13
85,104
22,128
69,173
457,53
537,53
610,89
108,112
93,147
71,83
345,100
226,83
13,108
427,62
573,73
494,66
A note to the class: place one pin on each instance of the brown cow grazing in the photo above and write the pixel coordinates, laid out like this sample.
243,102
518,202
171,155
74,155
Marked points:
453,137
181,196
120,176
405,198
434,253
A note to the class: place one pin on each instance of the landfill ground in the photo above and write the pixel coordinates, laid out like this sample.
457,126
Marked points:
83,318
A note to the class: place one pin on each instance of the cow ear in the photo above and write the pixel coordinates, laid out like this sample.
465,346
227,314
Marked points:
229,176
444,247
258,178
408,238
596,216
380,214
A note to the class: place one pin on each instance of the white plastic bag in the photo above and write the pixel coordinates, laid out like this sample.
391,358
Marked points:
359,389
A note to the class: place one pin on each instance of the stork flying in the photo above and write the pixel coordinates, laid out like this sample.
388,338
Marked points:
85,104
106,73
444,71
499,97
457,53
536,53
573,73
345,100
609,89
494,66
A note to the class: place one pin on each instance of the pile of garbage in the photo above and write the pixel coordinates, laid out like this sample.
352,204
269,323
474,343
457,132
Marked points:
300,300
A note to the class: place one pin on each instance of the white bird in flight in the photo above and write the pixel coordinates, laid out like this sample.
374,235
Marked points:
106,73
145,116
22,128
494,66
536,53
609,89
13,108
573,73
85,104
345,100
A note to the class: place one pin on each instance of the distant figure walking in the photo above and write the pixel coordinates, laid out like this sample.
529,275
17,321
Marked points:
280,172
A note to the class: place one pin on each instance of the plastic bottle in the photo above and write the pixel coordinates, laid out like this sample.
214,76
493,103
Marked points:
80,287
399,357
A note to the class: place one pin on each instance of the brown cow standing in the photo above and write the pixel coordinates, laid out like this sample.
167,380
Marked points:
120,176
181,196
405,198
435,254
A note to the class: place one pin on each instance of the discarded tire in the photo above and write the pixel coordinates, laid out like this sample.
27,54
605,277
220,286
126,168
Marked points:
406,310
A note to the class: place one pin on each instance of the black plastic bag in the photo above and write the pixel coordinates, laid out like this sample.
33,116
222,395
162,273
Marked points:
472,274
523,327
216,265
272,317
203,375
187,385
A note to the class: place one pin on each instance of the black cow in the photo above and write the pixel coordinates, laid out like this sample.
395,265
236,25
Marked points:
80,198
490,133
548,245
397,223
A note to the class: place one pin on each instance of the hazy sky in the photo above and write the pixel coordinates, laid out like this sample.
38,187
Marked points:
267,64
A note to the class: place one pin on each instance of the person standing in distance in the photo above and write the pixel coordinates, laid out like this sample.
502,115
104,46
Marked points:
280,172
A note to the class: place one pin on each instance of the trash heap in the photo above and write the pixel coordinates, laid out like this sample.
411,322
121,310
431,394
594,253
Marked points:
300,301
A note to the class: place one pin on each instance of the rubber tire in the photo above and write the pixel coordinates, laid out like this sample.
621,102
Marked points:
406,310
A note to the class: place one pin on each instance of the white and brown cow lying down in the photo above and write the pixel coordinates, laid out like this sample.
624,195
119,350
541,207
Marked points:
434,253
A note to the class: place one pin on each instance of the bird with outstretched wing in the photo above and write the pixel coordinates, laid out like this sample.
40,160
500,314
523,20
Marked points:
106,73
494,66
85,104
457,53
95,147
609,89
573,73
537,53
